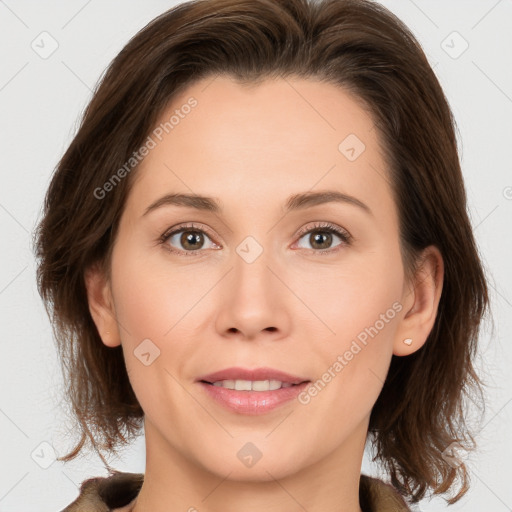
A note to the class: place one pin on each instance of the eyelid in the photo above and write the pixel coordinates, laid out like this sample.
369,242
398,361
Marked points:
328,226
186,225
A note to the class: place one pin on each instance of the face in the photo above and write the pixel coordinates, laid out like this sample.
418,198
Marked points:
313,288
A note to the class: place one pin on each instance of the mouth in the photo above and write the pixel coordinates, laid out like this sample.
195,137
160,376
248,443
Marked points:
254,385
252,391
255,379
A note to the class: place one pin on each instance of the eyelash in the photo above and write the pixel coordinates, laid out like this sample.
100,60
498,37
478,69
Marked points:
319,226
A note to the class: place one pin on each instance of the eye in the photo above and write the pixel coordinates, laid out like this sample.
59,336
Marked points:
320,237
189,237
189,240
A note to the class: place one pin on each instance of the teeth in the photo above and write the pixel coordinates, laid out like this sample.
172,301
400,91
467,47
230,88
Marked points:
249,385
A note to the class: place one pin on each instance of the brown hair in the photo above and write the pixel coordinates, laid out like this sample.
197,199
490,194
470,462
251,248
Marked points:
358,45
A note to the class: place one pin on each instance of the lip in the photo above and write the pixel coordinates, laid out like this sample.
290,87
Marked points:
252,402
237,373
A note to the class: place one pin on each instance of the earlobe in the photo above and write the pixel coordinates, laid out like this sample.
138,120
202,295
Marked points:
101,306
422,299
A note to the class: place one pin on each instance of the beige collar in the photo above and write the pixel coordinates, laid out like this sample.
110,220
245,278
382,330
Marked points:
104,494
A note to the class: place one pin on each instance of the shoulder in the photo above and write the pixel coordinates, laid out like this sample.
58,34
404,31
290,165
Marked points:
102,494
376,495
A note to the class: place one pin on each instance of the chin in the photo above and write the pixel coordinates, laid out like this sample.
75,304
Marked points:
250,461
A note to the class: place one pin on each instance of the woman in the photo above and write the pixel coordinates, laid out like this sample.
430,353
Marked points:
257,247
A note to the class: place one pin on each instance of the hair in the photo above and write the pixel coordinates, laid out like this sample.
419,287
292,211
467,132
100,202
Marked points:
367,51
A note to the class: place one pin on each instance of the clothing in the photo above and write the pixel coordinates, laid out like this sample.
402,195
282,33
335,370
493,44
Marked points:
103,494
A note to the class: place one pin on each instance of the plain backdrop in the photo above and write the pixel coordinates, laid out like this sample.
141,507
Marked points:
44,87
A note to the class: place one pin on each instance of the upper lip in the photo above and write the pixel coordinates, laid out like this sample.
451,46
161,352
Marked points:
235,373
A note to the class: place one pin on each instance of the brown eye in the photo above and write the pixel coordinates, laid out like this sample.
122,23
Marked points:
191,240
187,240
321,238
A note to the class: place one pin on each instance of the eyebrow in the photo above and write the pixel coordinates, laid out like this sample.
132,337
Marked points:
293,203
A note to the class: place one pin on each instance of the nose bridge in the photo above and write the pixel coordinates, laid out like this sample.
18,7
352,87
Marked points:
251,263
253,299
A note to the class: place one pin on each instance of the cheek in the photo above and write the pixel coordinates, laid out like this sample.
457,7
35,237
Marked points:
143,308
148,294
348,297
359,309
157,307
150,305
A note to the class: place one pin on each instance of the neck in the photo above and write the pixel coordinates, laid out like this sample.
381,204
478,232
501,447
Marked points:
174,481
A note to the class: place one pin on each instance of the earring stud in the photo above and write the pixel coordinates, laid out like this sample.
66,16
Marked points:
408,341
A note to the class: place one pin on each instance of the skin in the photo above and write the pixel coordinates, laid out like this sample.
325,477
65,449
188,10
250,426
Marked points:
293,308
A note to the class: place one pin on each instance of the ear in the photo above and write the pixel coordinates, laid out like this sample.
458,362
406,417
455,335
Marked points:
421,300
101,305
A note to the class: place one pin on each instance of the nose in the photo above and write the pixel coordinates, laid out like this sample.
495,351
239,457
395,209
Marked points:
254,302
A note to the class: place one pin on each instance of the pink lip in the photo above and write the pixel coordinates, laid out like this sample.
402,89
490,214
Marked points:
252,374
252,402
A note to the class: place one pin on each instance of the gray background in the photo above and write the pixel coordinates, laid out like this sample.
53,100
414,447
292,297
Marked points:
41,99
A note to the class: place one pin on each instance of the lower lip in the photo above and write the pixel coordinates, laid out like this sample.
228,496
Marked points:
252,402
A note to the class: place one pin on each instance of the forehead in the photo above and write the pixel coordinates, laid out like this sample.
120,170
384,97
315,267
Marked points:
281,136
